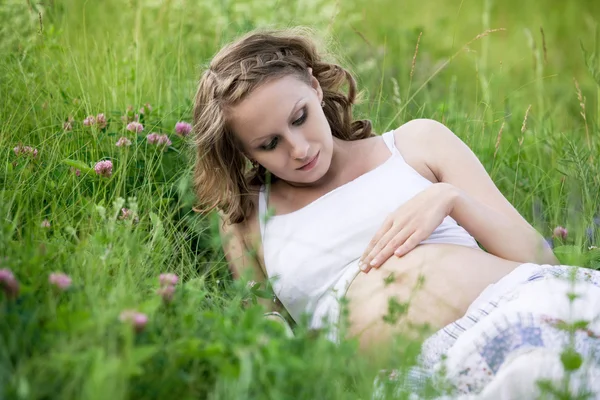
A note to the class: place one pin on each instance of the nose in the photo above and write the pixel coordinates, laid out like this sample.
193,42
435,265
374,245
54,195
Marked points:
299,147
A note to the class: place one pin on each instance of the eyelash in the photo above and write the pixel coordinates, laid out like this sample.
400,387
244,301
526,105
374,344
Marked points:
302,118
273,143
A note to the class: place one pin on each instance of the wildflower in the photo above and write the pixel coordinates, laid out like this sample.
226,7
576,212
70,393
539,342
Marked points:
45,224
137,319
183,128
152,138
60,280
6,275
104,168
166,293
135,127
101,121
9,283
89,120
76,171
167,286
68,124
160,140
560,232
146,108
163,140
125,213
168,279
26,150
123,141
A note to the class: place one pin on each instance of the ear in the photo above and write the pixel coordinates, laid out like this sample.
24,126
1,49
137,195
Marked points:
314,83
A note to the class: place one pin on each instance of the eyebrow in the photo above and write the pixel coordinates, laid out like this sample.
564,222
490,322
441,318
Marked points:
273,134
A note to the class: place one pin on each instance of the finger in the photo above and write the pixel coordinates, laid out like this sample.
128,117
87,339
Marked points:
383,241
409,244
388,250
387,225
385,248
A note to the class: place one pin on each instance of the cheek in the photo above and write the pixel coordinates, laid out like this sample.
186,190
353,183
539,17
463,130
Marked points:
323,126
273,160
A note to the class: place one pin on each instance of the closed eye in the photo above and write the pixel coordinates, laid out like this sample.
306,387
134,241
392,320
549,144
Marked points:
302,118
271,144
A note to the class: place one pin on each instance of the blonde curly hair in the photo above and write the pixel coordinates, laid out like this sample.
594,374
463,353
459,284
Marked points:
223,176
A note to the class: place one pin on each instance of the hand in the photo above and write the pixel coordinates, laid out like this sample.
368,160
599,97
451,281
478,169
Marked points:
409,225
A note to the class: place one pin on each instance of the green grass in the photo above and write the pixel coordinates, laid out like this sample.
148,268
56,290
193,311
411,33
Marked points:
78,58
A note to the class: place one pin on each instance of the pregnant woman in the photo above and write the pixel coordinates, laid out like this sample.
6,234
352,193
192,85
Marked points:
324,208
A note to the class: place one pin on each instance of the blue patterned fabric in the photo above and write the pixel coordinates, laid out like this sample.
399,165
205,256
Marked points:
511,338
525,311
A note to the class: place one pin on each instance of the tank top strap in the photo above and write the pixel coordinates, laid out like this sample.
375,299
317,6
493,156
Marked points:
262,209
389,140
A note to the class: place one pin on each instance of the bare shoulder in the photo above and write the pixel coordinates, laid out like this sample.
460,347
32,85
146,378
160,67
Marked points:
251,224
249,228
423,133
417,141
421,126
242,242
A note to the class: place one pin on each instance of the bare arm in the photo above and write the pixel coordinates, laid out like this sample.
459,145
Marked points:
242,261
479,206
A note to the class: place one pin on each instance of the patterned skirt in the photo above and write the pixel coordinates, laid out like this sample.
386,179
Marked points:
536,332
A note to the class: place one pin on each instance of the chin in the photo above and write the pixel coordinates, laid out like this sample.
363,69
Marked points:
306,177
313,176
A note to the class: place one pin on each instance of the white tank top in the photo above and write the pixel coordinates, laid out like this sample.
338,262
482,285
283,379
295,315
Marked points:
311,255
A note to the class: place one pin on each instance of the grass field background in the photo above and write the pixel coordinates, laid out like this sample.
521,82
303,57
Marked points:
518,81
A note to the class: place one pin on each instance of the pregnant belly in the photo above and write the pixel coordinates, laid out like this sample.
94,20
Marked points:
429,287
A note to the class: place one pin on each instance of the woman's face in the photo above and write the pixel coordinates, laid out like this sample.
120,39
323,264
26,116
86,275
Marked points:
282,126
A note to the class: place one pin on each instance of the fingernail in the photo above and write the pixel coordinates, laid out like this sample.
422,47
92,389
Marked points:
373,262
361,266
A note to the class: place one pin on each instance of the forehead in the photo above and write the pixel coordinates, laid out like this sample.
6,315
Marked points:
267,108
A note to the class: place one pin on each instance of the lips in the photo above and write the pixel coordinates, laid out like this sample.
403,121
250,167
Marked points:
309,164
